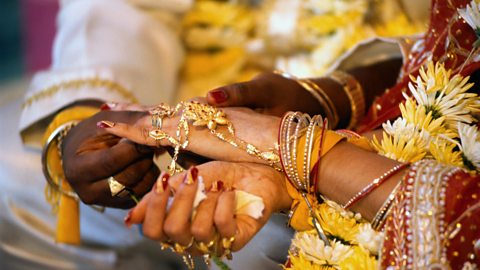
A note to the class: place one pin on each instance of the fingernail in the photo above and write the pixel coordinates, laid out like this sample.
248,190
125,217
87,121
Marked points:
216,186
128,218
107,106
105,124
162,183
218,95
192,175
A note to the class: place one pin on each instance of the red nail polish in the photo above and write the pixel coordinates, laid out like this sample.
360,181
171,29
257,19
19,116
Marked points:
165,178
105,124
191,176
128,218
104,107
218,95
216,186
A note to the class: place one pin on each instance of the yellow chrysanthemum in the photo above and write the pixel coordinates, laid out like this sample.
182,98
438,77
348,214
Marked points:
402,149
309,245
360,259
423,121
337,226
444,151
299,262
443,96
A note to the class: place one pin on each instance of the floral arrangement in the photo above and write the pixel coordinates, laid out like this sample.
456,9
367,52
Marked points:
437,122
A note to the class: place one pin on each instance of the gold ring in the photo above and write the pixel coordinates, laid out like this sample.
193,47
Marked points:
227,246
180,249
205,247
116,188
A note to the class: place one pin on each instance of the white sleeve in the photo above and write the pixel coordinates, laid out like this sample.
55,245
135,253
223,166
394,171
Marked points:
106,50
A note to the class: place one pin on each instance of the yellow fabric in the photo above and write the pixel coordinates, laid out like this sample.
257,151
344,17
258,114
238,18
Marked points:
67,208
298,221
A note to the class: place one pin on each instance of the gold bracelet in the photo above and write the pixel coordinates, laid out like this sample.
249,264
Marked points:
57,136
203,115
380,216
319,94
354,92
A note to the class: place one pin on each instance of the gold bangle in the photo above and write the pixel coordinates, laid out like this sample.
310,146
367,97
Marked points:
355,95
319,94
57,136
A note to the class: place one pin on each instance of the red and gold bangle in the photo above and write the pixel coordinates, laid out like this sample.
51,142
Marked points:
374,184
354,92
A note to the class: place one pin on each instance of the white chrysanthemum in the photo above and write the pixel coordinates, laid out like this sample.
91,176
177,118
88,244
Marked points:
369,238
470,145
471,14
444,97
315,250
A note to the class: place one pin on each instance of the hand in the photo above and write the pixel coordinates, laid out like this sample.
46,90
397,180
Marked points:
215,214
90,156
268,93
246,122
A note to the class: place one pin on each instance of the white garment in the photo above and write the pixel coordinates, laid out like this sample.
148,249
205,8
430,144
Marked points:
106,39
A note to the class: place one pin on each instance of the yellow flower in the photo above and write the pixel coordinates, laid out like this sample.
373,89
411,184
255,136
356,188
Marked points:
443,96
402,149
299,262
360,259
443,151
309,245
337,226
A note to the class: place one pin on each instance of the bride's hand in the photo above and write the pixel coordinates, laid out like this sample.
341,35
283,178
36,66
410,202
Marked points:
257,129
215,214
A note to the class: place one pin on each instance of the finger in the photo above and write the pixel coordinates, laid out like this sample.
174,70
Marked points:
177,223
119,106
138,133
99,194
148,180
112,160
134,173
243,94
153,224
203,228
225,222
137,214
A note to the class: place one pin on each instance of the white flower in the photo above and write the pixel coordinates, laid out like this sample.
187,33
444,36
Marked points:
470,145
443,96
369,238
471,14
315,250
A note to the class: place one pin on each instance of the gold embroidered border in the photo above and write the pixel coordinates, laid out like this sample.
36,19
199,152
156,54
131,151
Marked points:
75,85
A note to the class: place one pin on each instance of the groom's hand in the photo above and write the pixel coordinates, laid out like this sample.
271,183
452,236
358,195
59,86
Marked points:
91,156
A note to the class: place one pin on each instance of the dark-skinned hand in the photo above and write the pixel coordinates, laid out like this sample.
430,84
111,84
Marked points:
268,93
91,156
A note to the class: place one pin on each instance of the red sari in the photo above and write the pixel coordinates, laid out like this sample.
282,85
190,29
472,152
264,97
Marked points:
434,222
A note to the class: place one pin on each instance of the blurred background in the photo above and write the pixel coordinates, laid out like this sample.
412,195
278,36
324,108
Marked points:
27,28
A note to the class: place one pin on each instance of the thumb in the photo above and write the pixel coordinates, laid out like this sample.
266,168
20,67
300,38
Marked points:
243,94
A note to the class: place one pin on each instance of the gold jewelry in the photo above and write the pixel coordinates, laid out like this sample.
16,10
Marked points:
325,102
227,246
116,188
355,95
203,115
57,136
178,248
205,248
379,219
293,126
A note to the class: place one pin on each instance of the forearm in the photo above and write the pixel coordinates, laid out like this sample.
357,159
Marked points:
374,80
347,169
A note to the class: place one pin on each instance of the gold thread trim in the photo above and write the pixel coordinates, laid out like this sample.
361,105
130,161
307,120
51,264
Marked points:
75,85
